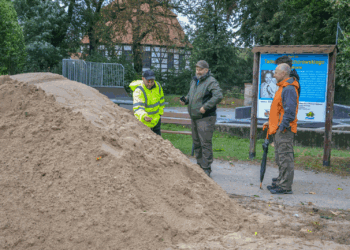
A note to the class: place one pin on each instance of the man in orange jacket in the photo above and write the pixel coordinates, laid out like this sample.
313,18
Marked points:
283,125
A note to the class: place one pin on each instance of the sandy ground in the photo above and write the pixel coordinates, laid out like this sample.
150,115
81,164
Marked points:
79,172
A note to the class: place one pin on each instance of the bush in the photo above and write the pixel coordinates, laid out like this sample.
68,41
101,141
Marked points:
42,56
174,83
235,92
11,40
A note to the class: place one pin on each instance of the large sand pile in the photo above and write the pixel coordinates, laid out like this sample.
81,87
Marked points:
142,194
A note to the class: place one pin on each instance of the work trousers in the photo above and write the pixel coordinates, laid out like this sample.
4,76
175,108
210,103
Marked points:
202,135
284,156
156,129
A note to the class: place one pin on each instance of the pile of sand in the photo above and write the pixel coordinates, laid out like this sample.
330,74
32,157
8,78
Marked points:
142,194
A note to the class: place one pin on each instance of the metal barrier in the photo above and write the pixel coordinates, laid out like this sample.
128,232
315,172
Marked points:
94,74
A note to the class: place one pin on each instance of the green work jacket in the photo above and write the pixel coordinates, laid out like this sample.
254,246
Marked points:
204,92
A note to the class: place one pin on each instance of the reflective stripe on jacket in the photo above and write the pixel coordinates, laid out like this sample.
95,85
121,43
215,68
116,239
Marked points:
147,102
284,107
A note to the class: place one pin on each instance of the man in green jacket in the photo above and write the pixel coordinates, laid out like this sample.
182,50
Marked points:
205,93
148,101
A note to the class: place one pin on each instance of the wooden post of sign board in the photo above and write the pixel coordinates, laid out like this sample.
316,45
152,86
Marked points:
329,109
253,117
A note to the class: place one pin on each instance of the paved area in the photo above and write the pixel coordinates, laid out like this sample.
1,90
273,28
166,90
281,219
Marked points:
223,114
244,179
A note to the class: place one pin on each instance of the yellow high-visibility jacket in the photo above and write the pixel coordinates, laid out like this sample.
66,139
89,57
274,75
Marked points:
147,102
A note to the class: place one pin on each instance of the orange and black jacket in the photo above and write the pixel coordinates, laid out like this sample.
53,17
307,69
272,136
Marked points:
284,107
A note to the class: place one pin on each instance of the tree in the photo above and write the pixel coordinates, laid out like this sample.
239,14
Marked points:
278,22
45,25
138,22
213,40
11,40
298,22
90,13
342,86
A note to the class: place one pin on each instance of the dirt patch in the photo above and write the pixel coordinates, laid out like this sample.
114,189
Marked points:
79,172
305,221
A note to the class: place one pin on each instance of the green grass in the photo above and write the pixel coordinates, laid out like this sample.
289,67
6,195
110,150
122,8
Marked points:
229,147
173,100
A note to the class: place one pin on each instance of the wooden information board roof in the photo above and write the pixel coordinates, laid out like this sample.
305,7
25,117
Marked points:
295,49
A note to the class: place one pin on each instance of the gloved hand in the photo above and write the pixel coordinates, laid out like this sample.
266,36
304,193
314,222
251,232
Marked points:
265,145
183,100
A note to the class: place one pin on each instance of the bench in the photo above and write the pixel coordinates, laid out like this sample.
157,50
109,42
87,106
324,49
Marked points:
177,118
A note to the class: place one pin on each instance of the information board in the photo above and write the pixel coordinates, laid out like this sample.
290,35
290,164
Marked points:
313,72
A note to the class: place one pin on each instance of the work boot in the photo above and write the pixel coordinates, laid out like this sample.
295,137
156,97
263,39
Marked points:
279,190
273,186
207,171
274,182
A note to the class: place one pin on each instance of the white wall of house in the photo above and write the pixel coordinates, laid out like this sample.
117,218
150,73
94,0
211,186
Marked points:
154,56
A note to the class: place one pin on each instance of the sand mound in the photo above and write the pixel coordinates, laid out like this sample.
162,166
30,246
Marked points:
142,194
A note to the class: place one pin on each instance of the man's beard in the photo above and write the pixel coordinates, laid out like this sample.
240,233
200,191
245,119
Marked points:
199,76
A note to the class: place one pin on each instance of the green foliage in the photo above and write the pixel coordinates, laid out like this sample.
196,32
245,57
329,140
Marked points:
298,22
235,92
343,71
277,22
343,58
45,25
174,83
212,40
12,52
42,56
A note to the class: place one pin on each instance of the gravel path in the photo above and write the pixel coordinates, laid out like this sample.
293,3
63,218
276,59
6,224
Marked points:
223,114
244,179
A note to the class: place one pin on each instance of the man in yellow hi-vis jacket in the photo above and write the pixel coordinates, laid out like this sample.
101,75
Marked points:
148,101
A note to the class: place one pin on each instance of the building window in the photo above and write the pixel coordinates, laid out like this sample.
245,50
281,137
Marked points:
128,55
146,61
170,60
182,61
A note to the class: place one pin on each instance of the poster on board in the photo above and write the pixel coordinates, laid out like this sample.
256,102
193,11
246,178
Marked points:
313,72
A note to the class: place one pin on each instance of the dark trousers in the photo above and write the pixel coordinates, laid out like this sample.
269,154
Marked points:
156,129
202,135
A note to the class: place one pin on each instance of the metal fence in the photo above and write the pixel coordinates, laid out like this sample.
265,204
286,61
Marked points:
94,74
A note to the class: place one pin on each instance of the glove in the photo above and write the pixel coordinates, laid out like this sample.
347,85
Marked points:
183,99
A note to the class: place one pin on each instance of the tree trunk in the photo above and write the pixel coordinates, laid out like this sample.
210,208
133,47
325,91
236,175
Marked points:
91,40
136,45
137,57
60,34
